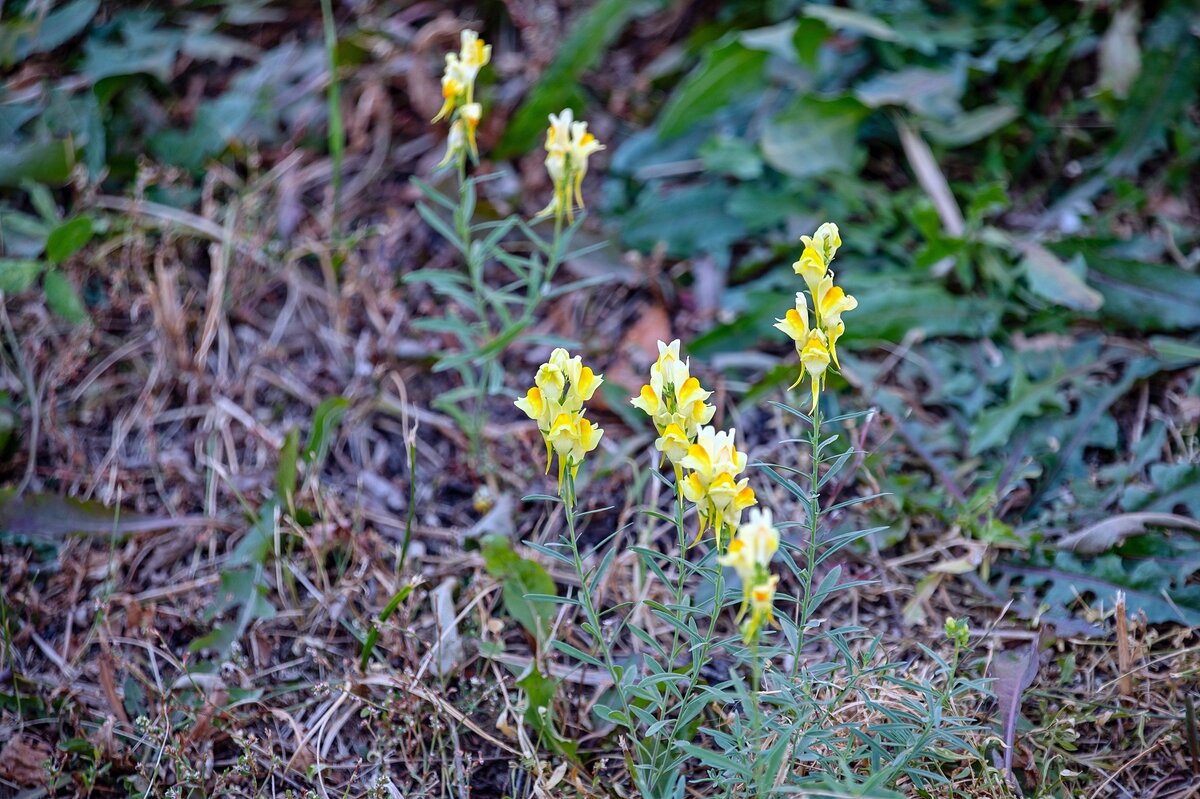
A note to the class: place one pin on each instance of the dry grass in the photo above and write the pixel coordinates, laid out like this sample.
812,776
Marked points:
217,340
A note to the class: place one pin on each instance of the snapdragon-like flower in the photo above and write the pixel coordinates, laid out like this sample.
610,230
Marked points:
819,250
676,402
762,608
561,387
456,142
750,553
817,345
712,485
568,146
462,68
458,96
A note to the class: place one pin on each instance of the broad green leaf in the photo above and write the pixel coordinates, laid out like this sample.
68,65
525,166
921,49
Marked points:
846,19
891,310
18,274
814,137
58,27
63,298
688,221
727,70
1152,587
520,577
559,87
540,690
927,92
68,238
729,155
48,162
969,127
1146,296
1060,283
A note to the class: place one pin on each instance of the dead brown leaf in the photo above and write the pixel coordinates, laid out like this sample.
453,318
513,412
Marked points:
21,761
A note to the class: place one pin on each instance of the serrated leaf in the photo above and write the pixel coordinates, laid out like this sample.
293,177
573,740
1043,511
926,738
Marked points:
1157,589
995,425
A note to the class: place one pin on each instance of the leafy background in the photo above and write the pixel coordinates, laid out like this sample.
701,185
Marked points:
197,265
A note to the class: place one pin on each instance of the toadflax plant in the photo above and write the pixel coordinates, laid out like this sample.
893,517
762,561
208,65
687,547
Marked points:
487,319
781,718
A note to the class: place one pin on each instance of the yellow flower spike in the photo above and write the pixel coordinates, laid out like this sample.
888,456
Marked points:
815,358
568,146
562,385
712,485
676,403
750,553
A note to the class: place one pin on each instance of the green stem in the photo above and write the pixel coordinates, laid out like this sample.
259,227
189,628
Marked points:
567,493
679,587
804,608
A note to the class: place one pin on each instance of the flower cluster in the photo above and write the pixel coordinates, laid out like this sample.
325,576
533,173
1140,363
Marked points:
568,145
817,344
561,387
676,402
749,555
712,483
458,96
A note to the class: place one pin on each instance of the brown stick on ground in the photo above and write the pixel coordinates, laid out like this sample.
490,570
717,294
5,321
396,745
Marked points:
1124,653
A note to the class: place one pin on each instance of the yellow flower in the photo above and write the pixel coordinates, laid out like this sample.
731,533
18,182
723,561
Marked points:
561,386
453,87
455,143
675,401
673,443
819,250
572,437
459,77
815,359
795,321
831,303
825,241
470,114
661,400
474,54
712,485
750,553
568,146
762,607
